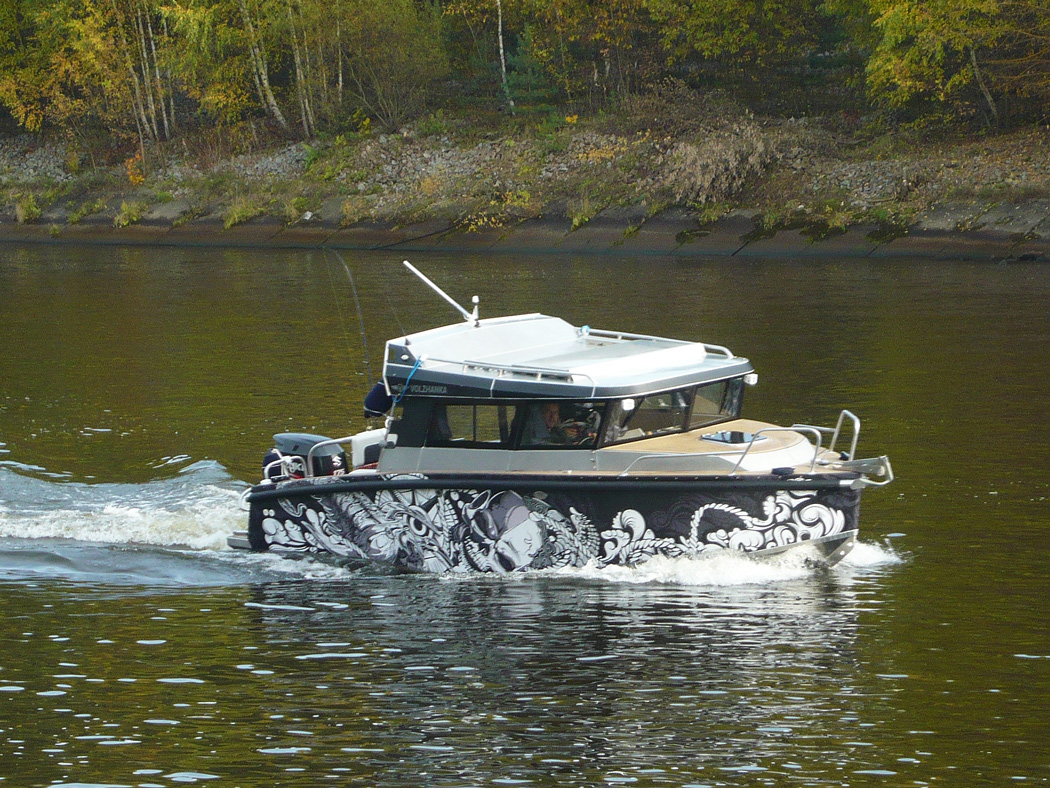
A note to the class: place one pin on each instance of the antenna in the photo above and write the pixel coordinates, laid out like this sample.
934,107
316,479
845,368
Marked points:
470,317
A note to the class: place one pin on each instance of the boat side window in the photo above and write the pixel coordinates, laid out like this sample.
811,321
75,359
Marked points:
656,414
709,404
556,423
734,398
468,426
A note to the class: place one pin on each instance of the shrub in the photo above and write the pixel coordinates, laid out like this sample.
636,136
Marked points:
242,209
719,165
133,167
129,213
26,209
87,209
434,125
296,208
581,211
356,208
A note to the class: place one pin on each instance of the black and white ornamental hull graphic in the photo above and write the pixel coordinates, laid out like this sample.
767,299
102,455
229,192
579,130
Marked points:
496,524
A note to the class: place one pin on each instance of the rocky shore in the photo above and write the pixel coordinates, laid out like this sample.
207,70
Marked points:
724,187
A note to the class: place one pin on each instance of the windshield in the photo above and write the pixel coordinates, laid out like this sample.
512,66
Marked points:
554,424
634,418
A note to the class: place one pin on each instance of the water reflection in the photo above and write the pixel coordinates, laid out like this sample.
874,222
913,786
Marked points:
579,682
376,677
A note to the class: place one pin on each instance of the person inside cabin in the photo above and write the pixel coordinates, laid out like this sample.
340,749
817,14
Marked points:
543,426
440,431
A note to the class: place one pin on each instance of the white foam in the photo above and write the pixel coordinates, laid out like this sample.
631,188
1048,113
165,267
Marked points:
731,568
867,555
201,525
724,568
304,567
187,511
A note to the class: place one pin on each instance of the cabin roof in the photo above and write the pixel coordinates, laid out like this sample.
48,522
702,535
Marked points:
534,355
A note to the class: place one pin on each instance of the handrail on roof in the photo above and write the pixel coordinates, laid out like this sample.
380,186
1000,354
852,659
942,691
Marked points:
815,431
720,348
627,335
565,374
516,369
604,332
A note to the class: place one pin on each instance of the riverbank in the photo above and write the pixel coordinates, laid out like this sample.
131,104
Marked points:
673,233
714,182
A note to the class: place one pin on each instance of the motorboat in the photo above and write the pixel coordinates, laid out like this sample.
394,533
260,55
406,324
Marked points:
520,443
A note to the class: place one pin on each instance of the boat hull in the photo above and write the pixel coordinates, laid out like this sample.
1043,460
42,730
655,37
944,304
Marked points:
452,523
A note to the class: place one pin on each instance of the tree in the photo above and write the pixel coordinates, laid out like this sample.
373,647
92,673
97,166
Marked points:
603,45
741,33
485,19
1023,56
29,86
255,42
579,47
223,55
89,67
394,57
933,49
10,34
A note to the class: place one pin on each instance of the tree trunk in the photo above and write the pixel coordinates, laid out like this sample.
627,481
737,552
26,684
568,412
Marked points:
262,76
502,56
157,80
138,108
305,112
167,73
147,86
339,61
314,73
984,89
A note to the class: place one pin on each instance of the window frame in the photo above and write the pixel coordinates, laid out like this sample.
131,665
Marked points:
732,399
732,393
438,406
517,411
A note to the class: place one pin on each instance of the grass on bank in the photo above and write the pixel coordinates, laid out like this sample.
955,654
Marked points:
480,171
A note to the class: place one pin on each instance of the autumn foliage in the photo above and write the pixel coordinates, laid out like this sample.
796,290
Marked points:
133,73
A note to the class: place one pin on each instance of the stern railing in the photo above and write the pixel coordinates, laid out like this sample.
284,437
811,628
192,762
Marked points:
319,444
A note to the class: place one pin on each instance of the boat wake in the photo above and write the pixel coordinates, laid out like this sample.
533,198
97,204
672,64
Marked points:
868,555
173,531
197,508
737,569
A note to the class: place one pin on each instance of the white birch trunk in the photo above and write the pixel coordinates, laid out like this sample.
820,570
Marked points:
138,108
262,76
300,78
502,56
147,86
339,62
157,80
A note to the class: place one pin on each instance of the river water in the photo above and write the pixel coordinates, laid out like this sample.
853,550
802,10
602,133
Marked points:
138,392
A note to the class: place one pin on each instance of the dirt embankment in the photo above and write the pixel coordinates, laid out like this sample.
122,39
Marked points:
713,182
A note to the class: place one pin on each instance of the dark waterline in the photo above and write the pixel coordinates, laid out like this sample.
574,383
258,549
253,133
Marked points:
138,391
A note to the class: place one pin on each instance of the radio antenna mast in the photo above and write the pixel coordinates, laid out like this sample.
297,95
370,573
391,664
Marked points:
470,317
